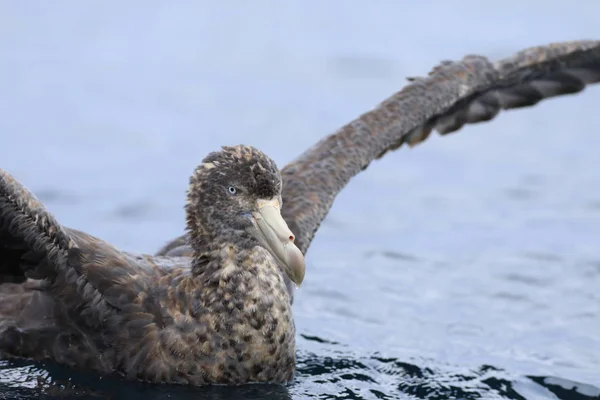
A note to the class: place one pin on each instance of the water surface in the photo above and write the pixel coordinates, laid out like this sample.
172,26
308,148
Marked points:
467,267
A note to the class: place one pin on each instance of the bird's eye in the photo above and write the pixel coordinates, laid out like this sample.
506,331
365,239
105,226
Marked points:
232,190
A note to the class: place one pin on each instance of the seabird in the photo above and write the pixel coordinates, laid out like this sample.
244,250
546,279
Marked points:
215,305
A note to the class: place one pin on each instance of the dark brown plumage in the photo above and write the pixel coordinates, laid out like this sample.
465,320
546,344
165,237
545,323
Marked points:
454,94
217,309
223,316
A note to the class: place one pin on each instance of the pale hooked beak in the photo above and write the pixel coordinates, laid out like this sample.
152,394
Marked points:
275,235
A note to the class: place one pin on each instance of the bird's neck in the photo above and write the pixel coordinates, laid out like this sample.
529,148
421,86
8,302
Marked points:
216,248
233,258
246,276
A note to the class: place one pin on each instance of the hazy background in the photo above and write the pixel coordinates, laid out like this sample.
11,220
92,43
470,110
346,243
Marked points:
479,248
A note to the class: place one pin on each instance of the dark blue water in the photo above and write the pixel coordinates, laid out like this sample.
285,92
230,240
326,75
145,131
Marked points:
468,267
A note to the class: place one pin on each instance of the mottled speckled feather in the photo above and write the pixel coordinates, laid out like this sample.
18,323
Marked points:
218,308
223,316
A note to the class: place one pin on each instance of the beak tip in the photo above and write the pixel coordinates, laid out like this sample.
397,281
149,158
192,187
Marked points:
298,281
296,264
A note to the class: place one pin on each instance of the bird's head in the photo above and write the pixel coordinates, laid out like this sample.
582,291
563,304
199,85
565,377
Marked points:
236,194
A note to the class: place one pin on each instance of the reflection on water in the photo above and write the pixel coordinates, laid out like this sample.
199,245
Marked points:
467,267
339,375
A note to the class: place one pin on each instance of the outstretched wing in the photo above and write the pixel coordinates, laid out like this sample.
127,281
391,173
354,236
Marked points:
454,94
86,275
30,237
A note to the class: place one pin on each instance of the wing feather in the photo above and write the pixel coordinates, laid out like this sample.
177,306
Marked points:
454,94
90,277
